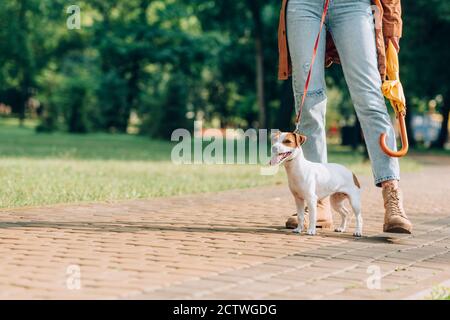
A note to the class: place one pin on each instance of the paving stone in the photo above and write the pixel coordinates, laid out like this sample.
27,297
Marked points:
227,245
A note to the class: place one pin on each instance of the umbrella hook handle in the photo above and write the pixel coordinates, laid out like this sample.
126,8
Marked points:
403,136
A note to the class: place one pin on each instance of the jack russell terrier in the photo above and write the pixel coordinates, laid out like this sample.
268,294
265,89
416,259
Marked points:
311,181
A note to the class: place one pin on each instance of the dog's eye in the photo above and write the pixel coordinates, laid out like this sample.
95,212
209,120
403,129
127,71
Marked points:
287,141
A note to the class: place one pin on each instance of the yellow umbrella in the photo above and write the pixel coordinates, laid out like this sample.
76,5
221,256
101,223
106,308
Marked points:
393,90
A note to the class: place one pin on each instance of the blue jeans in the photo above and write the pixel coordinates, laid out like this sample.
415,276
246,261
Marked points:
351,24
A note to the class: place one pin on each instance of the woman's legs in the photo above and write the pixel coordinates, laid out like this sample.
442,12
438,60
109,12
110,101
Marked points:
352,27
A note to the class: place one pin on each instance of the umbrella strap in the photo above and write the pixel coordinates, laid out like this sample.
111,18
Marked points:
308,78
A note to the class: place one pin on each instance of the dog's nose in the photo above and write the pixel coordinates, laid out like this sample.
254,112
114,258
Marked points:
274,149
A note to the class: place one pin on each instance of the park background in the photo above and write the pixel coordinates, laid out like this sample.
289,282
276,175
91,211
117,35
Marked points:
87,114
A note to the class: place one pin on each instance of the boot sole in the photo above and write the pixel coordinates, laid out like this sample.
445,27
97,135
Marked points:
324,225
397,229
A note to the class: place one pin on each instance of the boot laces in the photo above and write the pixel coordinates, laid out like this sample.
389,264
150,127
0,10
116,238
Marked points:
393,203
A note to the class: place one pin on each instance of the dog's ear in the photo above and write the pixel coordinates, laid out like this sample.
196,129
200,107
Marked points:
300,139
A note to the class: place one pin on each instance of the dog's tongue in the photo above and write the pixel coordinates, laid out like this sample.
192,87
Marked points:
276,158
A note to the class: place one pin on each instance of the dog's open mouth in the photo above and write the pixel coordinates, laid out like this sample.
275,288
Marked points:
279,158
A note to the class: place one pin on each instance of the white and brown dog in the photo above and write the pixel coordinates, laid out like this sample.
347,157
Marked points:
311,181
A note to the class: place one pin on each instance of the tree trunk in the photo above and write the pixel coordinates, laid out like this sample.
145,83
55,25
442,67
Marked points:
284,120
25,65
443,134
260,84
255,8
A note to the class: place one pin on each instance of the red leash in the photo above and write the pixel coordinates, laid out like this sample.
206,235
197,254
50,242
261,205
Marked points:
308,78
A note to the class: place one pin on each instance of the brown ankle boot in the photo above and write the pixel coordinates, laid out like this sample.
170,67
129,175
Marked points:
292,222
395,219
324,216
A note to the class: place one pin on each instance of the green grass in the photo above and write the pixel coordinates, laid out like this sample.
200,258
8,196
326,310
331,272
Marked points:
23,142
39,169
440,293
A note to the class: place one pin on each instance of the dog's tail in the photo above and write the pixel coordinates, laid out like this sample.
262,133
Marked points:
355,180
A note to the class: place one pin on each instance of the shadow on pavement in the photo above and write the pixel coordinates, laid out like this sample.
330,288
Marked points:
129,227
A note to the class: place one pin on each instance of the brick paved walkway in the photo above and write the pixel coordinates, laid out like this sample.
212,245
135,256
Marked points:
225,245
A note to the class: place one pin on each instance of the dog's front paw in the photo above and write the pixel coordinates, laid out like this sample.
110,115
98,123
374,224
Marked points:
311,232
339,229
297,230
357,234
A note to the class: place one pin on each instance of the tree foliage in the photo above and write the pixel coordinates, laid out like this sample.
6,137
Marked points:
168,62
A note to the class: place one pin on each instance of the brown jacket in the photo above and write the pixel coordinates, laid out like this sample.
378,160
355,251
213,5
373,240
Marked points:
388,23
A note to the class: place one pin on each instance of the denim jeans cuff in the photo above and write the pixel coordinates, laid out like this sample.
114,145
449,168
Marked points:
387,178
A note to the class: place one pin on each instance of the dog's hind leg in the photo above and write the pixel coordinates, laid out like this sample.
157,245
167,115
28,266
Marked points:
338,204
355,202
300,203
